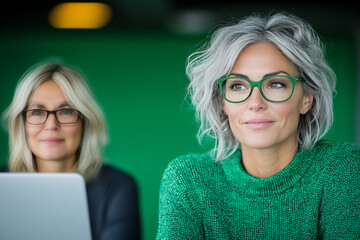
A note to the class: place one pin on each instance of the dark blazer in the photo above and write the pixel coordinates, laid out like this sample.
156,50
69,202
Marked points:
113,205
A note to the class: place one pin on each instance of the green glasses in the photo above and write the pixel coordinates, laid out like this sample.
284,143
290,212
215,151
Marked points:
275,88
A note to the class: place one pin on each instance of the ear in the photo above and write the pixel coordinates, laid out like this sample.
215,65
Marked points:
307,103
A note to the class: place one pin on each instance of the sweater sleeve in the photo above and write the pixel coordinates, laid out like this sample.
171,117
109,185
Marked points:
340,207
178,214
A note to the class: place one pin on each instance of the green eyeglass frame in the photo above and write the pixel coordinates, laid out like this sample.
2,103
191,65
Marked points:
258,85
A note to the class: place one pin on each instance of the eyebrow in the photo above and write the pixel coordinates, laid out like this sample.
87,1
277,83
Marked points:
42,106
266,75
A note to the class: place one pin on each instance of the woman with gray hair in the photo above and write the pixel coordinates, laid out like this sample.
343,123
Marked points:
55,125
263,92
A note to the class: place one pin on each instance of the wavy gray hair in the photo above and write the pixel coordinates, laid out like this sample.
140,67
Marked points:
296,39
78,95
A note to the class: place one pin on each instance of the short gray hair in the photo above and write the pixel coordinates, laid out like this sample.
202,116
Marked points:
296,39
78,95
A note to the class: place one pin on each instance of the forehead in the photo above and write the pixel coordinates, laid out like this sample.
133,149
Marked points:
48,94
261,58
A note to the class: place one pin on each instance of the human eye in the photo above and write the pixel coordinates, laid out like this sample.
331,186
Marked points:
37,112
278,83
66,112
237,85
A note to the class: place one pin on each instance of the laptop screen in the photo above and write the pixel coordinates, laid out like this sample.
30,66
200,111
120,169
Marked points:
43,206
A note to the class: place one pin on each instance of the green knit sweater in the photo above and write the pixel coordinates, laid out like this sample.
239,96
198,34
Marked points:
317,196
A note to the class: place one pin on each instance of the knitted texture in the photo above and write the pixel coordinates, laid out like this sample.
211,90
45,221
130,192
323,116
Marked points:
316,196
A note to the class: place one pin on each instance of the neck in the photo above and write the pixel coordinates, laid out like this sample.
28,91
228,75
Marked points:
54,166
266,162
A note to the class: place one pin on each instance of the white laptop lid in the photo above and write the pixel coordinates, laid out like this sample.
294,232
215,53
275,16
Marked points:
43,206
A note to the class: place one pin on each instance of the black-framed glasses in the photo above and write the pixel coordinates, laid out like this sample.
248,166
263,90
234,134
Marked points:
275,88
62,116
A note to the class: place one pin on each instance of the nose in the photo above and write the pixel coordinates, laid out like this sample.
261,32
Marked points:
256,101
51,122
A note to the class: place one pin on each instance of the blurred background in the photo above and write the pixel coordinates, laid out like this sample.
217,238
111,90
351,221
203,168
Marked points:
135,63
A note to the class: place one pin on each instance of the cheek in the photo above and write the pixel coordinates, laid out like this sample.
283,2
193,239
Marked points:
289,115
231,110
76,135
234,113
31,133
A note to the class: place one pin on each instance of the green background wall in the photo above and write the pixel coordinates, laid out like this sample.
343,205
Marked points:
138,77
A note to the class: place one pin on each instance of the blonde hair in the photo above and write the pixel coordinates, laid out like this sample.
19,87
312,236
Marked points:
79,96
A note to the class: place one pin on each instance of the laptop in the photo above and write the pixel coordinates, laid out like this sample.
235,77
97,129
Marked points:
43,206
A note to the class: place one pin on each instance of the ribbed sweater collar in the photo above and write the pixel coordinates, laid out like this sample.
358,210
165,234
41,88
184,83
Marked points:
276,184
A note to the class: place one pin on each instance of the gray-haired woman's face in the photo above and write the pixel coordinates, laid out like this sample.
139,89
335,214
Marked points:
256,122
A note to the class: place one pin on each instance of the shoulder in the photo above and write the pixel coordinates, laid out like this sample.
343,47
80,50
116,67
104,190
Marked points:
116,175
112,179
340,154
108,172
194,168
340,160
4,168
192,162
113,202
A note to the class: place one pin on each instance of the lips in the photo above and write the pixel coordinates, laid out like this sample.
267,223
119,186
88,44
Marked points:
52,140
258,123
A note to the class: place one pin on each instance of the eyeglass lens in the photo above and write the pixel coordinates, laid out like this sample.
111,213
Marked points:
65,116
276,88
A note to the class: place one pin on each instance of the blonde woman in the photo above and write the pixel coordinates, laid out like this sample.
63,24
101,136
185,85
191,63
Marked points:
55,125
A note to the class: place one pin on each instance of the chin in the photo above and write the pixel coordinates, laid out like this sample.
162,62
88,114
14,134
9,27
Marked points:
257,146
258,143
52,156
